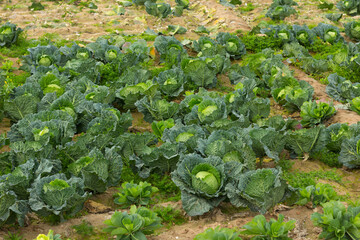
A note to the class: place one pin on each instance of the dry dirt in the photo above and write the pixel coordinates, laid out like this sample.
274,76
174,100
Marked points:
72,24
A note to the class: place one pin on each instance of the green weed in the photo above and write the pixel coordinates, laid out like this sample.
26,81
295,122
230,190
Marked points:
170,216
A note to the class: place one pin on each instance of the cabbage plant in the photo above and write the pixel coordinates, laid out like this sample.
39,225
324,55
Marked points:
133,225
98,171
341,89
202,182
157,9
328,33
229,146
206,46
337,134
12,209
49,236
258,189
313,113
9,34
303,34
41,58
170,49
57,195
348,6
272,230
232,43
199,72
130,94
280,12
186,135
352,30
156,109
338,221
171,82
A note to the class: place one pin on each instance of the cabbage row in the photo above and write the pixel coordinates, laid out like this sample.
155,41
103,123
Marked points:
70,136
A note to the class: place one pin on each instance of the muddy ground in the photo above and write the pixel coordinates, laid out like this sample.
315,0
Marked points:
71,22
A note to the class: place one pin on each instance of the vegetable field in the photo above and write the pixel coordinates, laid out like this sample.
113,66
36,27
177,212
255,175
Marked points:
179,119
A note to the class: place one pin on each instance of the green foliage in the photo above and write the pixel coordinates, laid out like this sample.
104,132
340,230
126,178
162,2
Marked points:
85,229
133,225
159,127
13,236
36,6
325,5
170,216
355,105
274,229
299,179
256,43
337,221
318,194
327,157
248,8
134,194
218,233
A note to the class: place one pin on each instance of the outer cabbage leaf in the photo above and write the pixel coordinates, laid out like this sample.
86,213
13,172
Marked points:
306,141
350,152
11,209
259,190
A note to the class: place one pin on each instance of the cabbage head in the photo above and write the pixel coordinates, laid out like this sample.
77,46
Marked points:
9,34
202,180
352,29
